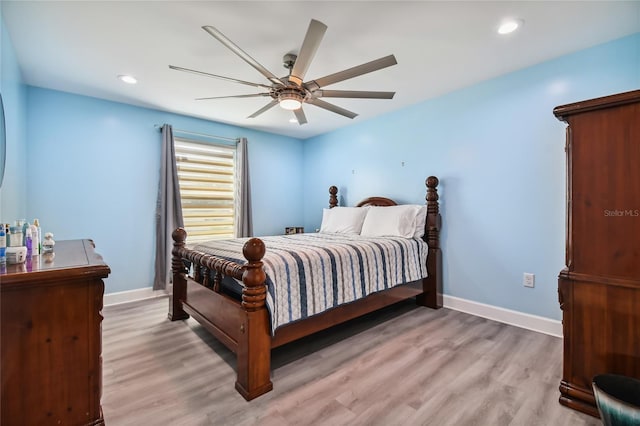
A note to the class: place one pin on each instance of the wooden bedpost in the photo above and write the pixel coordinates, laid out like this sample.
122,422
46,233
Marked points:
254,343
333,199
179,272
432,285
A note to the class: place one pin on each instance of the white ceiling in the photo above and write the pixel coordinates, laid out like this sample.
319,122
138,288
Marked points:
81,46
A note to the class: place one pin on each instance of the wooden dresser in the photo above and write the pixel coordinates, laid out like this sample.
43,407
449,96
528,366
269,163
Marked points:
599,290
50,336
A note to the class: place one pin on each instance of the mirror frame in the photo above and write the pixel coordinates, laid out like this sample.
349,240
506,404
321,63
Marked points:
3,142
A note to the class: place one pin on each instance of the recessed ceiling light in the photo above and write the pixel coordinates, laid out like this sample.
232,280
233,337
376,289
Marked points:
510,26
293,120
129,79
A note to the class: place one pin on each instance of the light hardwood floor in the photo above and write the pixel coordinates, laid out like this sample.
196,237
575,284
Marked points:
405,365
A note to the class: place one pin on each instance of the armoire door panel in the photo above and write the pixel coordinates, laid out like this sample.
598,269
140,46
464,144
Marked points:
606,192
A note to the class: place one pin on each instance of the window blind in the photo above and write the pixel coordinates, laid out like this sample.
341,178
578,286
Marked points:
206,175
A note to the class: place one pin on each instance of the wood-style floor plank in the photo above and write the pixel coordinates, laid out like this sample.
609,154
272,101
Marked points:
404,365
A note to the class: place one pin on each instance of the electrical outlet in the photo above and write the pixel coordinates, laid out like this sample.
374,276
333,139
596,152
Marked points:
528,280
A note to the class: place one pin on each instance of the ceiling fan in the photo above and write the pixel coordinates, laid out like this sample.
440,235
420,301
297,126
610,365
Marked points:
290,92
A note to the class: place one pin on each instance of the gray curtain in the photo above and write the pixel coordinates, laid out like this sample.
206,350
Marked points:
244,224
168,210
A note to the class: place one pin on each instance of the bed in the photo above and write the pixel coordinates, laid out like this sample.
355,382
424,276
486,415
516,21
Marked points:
235,299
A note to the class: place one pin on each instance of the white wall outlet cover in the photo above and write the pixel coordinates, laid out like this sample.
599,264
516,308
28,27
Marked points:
528,280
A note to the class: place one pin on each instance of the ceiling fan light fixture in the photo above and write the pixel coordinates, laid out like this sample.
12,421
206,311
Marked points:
290,104
290,100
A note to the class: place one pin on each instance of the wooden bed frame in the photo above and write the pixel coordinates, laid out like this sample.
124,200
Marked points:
243,325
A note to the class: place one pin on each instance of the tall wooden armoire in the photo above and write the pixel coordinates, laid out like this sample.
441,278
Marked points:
599,290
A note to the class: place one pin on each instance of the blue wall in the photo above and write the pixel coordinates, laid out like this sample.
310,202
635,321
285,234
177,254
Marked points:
93,172
499,153
14,95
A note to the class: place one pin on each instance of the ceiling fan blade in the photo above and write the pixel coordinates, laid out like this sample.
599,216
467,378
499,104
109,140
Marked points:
206,74
353,94
248,59
310,45
302,119
331,107
253,95
356,71
264,108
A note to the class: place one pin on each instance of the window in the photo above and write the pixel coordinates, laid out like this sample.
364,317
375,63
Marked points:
206,175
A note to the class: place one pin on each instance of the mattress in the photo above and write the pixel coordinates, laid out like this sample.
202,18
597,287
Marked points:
311,273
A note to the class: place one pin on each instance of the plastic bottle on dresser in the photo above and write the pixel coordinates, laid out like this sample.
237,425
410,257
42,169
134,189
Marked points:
16,236
48,243
25,226
37,238
34,240
3,246
28,242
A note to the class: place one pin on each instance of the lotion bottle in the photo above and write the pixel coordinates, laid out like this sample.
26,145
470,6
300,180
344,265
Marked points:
38,238
35,238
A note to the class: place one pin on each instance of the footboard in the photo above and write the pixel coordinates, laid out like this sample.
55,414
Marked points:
242,326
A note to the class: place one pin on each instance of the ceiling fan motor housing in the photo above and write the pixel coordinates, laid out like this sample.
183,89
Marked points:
288,60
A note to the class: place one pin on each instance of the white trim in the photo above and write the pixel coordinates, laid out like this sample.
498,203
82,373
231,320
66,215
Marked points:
507,316
132,296
495,313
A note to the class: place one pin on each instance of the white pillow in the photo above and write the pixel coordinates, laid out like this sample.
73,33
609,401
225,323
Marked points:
344,220
393,221
421,220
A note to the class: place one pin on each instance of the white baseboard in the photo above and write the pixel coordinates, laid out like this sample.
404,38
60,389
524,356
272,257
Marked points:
495,313
117,298
507,316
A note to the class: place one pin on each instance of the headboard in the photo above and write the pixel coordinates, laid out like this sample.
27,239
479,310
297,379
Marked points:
371,201
377,201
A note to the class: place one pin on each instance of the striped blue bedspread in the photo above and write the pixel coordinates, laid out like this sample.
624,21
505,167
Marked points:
310,273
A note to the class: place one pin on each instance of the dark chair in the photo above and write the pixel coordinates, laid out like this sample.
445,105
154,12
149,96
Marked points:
618,399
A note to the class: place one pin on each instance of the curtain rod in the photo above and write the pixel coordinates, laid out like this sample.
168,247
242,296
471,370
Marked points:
186,132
